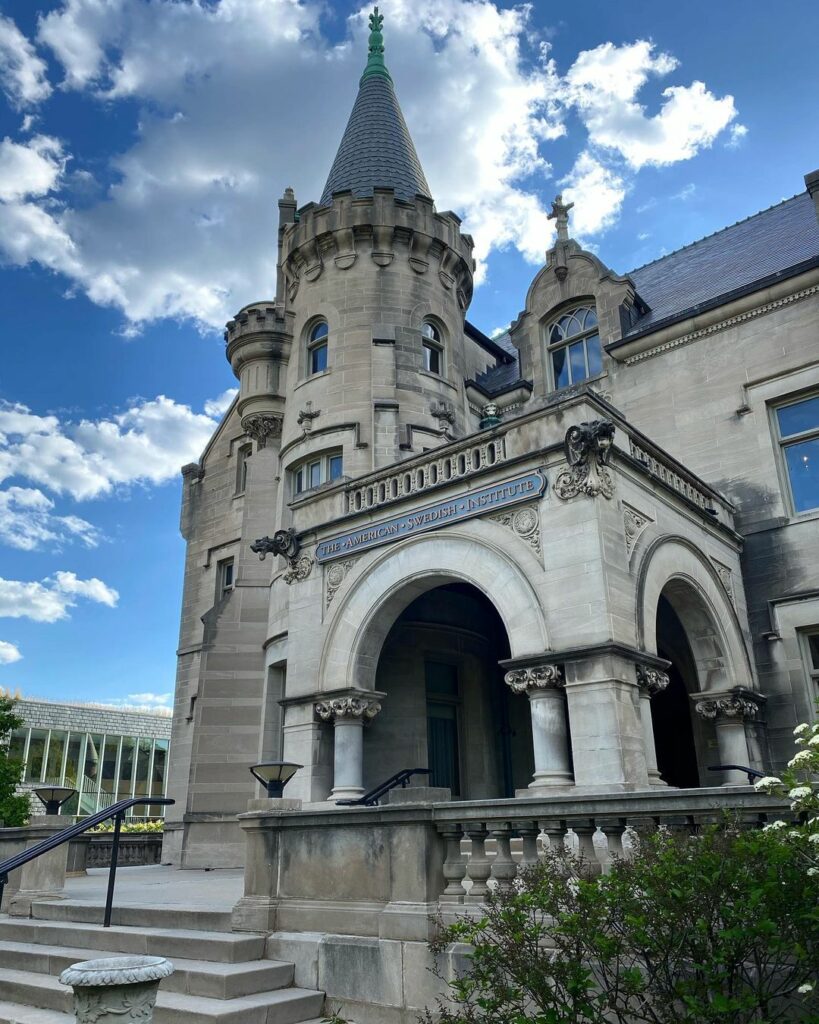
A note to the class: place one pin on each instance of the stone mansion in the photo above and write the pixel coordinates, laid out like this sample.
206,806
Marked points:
580,558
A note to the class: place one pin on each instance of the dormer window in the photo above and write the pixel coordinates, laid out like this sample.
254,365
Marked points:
574,344
433,349
317,347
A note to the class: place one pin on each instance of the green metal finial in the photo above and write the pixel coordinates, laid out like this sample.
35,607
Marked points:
375,55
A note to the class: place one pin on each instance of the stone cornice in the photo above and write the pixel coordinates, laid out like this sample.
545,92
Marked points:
592,651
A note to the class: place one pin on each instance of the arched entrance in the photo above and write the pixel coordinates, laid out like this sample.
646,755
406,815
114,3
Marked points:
446,706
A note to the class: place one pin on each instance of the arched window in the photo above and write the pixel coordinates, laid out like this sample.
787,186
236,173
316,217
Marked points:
574,344
317,347
433,348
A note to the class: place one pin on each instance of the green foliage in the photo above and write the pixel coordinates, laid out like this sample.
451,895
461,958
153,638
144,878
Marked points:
150,825
14,810
717,928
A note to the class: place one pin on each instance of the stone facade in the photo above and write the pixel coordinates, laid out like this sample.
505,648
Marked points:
619,550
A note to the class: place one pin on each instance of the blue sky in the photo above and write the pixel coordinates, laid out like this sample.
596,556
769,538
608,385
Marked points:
142,150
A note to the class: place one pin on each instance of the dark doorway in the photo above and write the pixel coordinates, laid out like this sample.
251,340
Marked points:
446,706
671,709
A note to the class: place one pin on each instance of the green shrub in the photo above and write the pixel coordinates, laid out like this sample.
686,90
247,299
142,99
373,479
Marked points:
14,810
717,928
149,825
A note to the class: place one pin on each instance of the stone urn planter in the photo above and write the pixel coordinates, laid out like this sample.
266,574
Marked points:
116,989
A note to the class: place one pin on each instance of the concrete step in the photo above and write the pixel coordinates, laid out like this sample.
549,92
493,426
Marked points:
194,977
223,947
285,1006
150,916
16,1013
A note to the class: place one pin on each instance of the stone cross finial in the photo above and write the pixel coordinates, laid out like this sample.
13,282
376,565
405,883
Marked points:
560,214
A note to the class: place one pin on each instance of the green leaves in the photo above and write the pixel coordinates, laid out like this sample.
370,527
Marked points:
14,810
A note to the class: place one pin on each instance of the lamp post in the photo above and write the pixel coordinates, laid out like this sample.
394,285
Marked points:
274,775
53,797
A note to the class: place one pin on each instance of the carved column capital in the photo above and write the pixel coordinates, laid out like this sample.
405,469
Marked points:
262,427
728,706
538,677
350,708
651,680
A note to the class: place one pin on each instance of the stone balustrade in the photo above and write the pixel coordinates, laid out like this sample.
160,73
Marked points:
385,871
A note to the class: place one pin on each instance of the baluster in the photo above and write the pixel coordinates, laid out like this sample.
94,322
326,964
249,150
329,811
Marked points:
478,867
454,866
503,868
528,832
555,832
584,829
613,829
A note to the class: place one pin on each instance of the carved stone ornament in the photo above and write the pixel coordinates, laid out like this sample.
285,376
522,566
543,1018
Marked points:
652,680
587,448
634,523
299,570
261,428
336,574
725,578
116,989
541,677
306,417
348,707
733,706
524,522
283,542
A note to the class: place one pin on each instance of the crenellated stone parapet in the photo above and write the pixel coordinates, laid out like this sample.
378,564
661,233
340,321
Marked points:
382,229
259,339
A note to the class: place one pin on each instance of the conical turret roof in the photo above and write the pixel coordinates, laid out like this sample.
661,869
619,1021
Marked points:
376,150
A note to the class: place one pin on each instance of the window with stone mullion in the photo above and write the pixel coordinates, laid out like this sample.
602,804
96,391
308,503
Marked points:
574,346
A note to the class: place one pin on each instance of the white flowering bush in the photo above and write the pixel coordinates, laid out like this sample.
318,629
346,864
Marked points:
800,783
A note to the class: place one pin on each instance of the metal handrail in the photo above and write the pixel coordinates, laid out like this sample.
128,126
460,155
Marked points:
752,773
371,799
115,811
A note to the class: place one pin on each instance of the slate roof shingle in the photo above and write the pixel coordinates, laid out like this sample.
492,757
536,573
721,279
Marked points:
376,150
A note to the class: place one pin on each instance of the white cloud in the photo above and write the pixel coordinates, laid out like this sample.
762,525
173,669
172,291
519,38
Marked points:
177,232
32,169
603,84
149,442
50,599
22,73
27,522
736,135
217,407
9,653
150,700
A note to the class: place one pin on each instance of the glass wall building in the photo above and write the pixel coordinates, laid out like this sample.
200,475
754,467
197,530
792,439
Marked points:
106,754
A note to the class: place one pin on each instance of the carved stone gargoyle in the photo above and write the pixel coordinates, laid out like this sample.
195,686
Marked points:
587,447
283,542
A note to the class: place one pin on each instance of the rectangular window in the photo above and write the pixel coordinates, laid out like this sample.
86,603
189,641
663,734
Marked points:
17,745
241,467
317,472
224,572
314,474
432,359
798,428
318,358
36,755
336,465
812,650
54,763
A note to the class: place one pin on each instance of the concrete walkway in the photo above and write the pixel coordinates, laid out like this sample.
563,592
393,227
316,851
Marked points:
159,886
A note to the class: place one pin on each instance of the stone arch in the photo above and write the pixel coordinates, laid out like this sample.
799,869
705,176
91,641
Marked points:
676,569
403,572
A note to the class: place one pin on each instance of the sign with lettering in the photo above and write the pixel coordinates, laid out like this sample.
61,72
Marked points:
465,506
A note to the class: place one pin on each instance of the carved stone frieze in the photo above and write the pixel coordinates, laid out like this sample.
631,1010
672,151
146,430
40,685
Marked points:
539,677
299,570
261,428
634,523
335,576
524,522
652,680
732,706
725,578
347,707
587,448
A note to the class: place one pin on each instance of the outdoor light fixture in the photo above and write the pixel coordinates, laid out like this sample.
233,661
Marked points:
274,775
53,797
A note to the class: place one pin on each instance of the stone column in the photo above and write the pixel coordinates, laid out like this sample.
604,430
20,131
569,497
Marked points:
116,989
650,681
550,739
729,712
348,715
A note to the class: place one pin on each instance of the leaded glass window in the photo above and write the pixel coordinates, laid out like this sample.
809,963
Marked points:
574,345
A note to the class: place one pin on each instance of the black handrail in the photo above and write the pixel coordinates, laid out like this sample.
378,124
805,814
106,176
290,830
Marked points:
752,773
399,779
115,811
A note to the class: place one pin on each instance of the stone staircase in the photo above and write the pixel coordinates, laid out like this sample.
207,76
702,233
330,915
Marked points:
220,977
